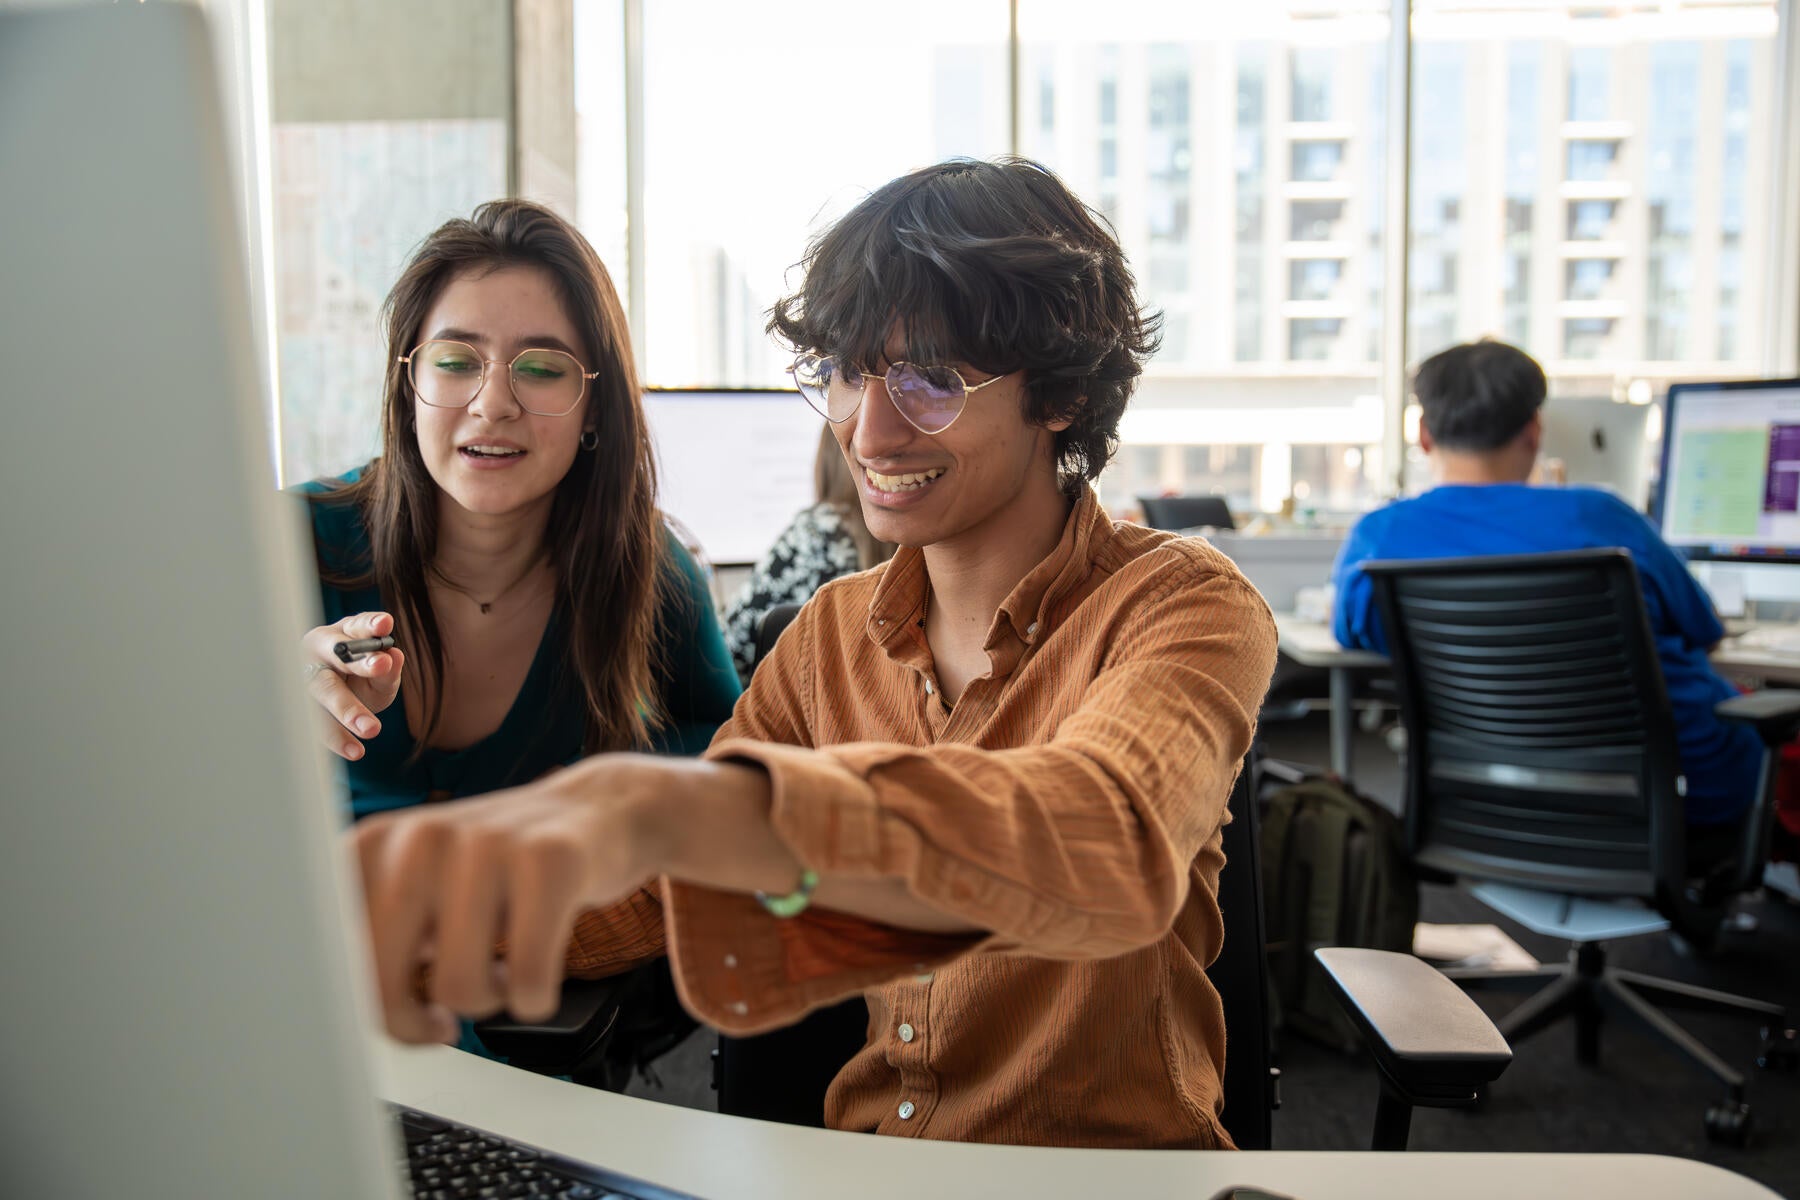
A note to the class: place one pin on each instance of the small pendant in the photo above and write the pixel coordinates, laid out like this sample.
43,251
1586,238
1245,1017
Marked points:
487,607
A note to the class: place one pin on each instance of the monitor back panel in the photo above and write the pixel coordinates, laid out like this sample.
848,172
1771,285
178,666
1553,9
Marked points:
181,1016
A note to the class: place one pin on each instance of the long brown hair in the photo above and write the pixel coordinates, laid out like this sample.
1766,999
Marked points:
605,537
834,485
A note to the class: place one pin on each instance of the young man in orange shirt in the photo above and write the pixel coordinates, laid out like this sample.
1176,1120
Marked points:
981,785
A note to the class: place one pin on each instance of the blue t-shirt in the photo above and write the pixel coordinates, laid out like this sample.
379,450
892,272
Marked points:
544,727
1721,761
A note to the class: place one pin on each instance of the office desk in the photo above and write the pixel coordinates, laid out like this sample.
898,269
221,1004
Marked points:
1310,644
730,1158
1756,662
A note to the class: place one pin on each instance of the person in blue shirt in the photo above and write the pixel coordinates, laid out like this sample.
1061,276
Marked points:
1482,427
507,537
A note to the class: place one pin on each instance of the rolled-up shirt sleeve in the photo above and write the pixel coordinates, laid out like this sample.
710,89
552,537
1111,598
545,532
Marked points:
1076,848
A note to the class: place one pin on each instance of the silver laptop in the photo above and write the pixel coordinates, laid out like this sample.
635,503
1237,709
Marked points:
180,1015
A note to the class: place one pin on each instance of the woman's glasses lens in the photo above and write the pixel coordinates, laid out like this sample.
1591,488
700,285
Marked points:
548,383
446,374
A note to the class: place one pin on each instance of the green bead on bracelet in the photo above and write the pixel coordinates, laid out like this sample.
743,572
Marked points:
795,902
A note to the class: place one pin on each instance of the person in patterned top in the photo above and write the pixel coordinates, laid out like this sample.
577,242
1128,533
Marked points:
823,542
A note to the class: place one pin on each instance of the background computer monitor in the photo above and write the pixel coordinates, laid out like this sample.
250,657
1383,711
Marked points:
1601,444
1186,512
733,466
1730,483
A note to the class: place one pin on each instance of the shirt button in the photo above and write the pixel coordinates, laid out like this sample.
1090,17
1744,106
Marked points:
906,1110
1031,629
906,1032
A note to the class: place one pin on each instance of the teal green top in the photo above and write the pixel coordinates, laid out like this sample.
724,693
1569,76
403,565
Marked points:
694,675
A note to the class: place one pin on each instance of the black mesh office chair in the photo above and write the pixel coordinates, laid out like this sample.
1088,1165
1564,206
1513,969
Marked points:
1541,764
1186,512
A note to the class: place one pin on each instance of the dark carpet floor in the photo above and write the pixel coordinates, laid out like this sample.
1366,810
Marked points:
1643,1097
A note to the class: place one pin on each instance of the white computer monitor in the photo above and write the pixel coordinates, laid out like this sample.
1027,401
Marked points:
1730,483
1600,443
733,466
181,1010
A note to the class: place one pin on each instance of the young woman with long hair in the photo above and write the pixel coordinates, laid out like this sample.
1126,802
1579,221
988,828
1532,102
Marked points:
507,537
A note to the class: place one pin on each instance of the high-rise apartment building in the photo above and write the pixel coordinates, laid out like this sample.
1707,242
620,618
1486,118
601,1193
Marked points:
1591,184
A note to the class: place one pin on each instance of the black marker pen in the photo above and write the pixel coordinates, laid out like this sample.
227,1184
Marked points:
359,648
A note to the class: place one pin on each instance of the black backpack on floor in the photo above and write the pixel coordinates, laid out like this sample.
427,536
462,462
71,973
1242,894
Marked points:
1334,873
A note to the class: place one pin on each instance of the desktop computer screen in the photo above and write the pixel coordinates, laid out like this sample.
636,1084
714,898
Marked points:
1730,485
733,466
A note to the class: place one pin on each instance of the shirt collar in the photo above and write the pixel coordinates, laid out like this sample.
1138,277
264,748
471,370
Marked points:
1024,616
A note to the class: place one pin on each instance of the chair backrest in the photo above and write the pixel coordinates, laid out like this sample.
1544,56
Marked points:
1540,745
1186,512
1241,973
768,631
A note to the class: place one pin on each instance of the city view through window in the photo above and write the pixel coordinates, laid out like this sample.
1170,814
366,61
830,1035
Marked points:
1561,196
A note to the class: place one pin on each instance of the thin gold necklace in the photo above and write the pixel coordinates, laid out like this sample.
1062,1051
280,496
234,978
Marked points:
487,606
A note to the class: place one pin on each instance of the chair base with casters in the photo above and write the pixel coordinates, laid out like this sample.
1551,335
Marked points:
1586,988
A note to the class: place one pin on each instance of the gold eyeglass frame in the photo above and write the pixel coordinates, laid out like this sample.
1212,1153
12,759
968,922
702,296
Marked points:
969,389
580,367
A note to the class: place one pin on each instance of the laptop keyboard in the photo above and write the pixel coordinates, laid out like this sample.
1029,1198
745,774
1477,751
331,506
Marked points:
448,1161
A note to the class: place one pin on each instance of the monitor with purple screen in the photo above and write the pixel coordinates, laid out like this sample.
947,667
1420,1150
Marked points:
1731,471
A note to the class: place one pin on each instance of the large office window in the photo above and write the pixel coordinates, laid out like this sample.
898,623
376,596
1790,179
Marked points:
762,124
1231,146
1613,190
1594,183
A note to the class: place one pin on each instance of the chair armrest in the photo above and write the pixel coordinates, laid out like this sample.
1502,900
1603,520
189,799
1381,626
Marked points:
1775,715
1428,1037
570,1041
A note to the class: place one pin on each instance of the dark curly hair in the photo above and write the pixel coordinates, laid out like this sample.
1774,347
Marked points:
996,264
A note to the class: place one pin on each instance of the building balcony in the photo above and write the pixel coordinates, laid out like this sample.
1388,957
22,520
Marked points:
1319,131
1597,131
1328,249
1593,308
1331,309
1580,248
1316,189
1594,189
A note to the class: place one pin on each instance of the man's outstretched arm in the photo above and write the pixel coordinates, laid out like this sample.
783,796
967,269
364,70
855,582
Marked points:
443,884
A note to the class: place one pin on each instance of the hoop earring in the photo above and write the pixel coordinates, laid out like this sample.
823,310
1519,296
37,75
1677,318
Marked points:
590,439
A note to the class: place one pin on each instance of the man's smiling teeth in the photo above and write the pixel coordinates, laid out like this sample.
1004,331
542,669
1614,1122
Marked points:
491,451
902,483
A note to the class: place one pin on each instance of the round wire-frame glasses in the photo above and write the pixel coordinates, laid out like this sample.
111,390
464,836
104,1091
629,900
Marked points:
540,377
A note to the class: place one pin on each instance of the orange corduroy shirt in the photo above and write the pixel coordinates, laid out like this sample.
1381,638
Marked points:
1069,803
